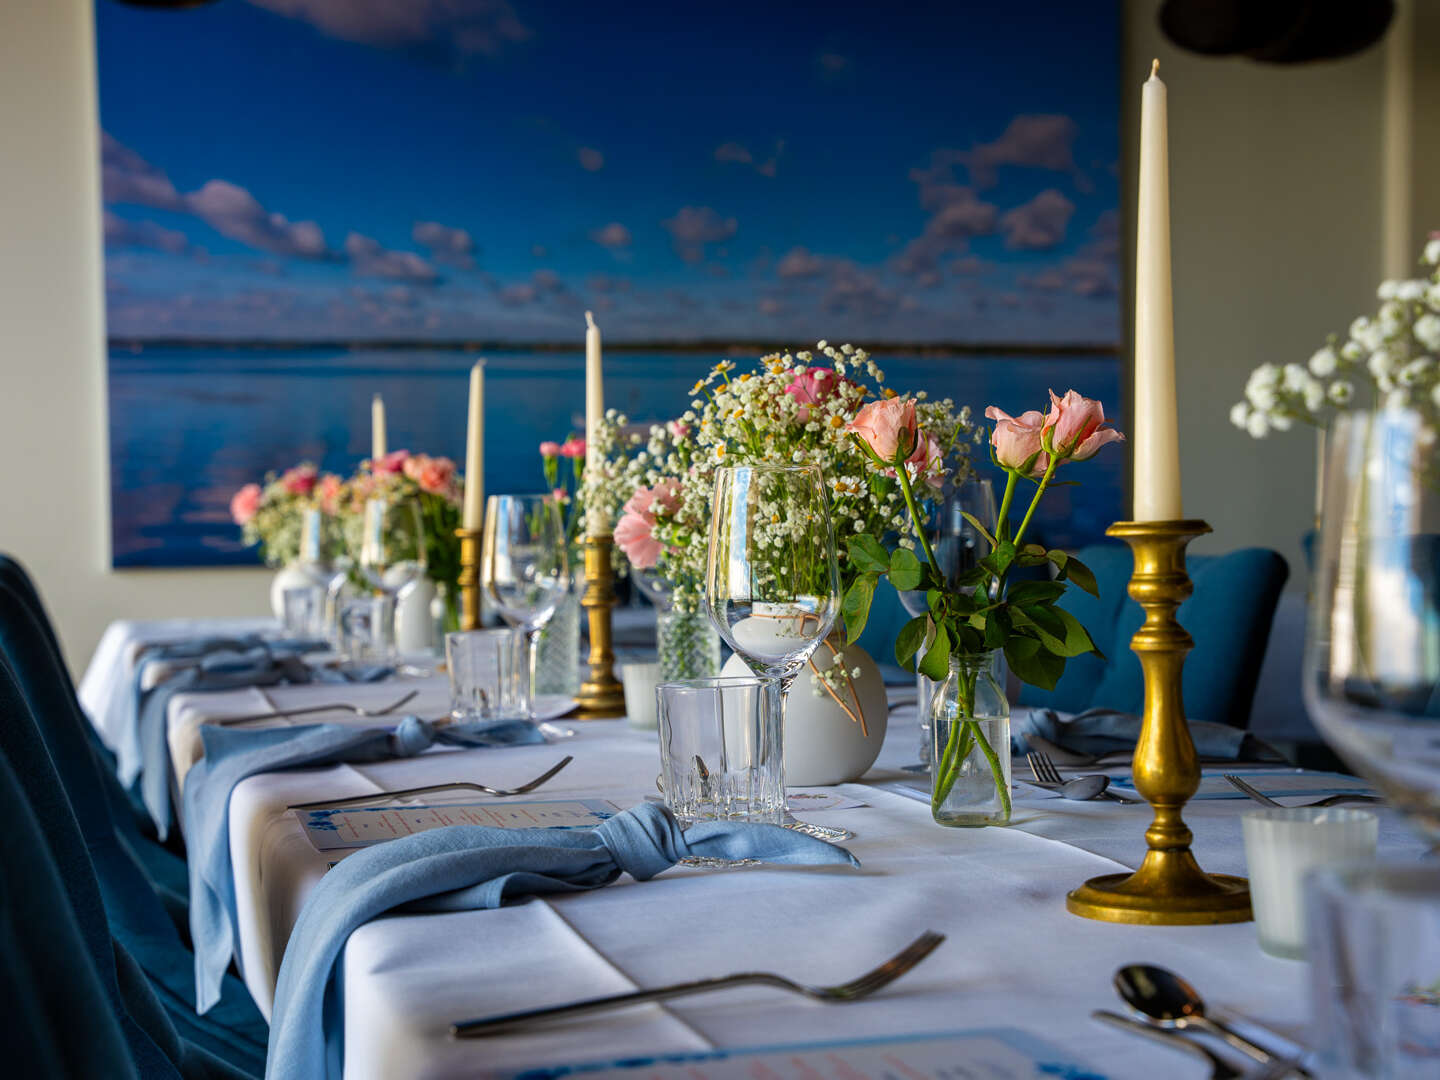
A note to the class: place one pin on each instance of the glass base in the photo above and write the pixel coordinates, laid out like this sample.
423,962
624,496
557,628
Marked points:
961,819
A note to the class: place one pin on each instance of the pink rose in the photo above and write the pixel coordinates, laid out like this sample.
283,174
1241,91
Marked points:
329,491
812,386
300,480
888,427
573,447
245,503
635,532
1016,440
435,475
678,430
391,463
1077,427
550,449
927,462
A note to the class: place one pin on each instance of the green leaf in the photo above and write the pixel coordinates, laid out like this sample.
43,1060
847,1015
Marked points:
1076,571
1048,620
999,560
979,528
1034,592
936,662
856,607
974,576
1033,664
904,569
997,628
867,554
1059,558
909,640
1077,639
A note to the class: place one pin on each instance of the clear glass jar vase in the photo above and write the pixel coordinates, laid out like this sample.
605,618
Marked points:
970,720
557,656
688,645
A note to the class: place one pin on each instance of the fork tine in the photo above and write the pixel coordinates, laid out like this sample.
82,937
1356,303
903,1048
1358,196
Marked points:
893,968
546,775
1034,766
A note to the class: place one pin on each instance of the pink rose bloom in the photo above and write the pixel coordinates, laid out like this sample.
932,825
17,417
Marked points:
812,386
329,491
300,480
1016,439
560,495
550,449
245,503
435,475
573,447
635,532
888,427
1077,427
391,463
927,462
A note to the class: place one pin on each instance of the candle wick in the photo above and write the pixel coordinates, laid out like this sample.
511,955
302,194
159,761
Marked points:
590,320
1154,68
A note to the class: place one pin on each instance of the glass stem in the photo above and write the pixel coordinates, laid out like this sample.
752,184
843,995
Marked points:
532,650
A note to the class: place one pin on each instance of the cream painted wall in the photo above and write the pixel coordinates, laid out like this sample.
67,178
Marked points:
1276,216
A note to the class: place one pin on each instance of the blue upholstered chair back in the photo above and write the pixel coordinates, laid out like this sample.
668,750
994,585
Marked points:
1228,615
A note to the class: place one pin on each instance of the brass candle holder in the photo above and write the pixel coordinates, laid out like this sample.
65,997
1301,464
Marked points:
1169,889
601,696
469,578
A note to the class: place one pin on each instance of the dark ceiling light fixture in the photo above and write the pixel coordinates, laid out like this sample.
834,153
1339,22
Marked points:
1276,31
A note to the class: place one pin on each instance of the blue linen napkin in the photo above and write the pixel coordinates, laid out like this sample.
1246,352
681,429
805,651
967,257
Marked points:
1100,731
232,754
470,867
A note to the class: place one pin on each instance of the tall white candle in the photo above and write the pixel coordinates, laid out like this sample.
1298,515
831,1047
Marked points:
473,511
597,521
1157,434
377,428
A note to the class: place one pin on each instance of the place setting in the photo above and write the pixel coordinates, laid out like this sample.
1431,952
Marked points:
702,579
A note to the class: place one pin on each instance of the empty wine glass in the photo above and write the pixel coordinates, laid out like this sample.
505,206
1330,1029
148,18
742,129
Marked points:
392,555
325,560
1372,657
772,587
524,567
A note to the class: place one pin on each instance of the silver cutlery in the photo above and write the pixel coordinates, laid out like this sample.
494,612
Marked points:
339,706
465,785
1220,1069
1169,1002
855,990
1330,800
1078,788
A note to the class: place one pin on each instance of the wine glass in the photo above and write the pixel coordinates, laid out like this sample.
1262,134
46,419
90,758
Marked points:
772,587
524,567
325,560
392,556
1372,654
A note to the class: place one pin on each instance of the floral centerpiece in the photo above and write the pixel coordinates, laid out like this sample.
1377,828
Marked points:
567,489
558,649
270,515
789,407
980,614
1389,360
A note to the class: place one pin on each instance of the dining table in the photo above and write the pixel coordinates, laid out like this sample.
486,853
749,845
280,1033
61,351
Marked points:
1015,965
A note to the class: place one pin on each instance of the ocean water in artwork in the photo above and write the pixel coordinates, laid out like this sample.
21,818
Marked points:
191,424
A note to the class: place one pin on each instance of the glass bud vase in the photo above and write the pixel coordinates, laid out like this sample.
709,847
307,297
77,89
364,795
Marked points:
688,644
557,656
970,721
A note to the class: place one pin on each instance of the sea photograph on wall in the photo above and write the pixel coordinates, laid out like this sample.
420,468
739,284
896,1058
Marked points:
308,202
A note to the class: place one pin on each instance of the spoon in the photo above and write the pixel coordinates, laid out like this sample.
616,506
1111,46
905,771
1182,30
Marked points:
1169,1001
1220,1069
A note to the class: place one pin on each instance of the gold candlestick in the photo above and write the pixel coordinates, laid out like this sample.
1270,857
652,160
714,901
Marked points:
601,696
469,578
1169,889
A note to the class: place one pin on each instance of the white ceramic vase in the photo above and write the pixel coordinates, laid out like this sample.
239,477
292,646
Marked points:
414,625
287,577
823,744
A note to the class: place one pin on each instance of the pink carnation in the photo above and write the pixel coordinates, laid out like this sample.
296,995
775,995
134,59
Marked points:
435,475
678,430
635,532
329,490
573,447
550,449
391,463
245,503
300,480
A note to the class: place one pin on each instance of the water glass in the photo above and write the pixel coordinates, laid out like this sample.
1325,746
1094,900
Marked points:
362,628
720,749
1282,845
1375,971
485,669
639,680
392,553
305,611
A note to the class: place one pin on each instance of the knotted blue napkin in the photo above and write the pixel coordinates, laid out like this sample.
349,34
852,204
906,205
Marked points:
1101,731
232,754
469,867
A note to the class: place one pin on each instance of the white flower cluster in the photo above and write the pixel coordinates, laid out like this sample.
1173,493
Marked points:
1393,355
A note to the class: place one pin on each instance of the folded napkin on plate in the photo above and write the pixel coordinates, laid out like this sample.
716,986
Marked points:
1100,731
232,754
469,867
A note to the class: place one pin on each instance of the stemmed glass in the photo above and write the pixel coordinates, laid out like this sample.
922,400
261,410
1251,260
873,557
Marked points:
524,567
325,560
772,586
392,556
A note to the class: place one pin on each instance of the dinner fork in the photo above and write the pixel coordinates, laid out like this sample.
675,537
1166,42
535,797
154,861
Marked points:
1330,800
400,793
854,990
1047,775
277,714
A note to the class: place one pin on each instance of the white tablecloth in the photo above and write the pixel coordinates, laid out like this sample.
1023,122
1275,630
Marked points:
1014,956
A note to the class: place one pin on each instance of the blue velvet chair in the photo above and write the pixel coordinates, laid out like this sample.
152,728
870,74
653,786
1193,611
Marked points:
1229,616
132,910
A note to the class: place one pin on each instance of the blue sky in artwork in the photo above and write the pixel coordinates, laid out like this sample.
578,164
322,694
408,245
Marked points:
484,169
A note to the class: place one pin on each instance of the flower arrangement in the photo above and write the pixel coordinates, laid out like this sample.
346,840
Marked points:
1393,356
270,514
436,487
979,612
567,490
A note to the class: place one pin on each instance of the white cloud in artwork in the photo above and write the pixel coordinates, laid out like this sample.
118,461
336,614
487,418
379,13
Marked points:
232,211
1033,140
1039,223
800,263
120,232
591,160
957,216
612,236
126,177
446,244
694,228
734,151
370,259
1093,271
483,27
